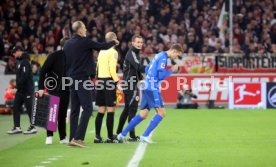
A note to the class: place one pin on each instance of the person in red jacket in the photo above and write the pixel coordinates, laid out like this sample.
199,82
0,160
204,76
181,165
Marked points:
10,93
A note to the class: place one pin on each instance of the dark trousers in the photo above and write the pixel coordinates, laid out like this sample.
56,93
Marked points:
187,106
9,103
130,110
62,113
83,98
19,100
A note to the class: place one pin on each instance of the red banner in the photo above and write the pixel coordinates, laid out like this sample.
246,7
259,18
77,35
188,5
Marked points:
198,64
241,64
210,87
211,63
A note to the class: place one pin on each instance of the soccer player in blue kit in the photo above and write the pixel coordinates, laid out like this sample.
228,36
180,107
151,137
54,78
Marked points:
151,95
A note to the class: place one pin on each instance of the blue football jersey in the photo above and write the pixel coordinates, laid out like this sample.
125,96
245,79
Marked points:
156,71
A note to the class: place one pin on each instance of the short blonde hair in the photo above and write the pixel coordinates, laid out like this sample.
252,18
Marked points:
177,47
110,36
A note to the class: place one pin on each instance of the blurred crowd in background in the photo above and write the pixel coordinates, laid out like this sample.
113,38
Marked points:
38,25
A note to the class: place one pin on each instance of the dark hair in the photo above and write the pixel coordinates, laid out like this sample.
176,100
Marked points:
17,48
12,80
135,36
177,47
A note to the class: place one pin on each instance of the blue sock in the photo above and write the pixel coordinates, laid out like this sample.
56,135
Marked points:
153,124
134,122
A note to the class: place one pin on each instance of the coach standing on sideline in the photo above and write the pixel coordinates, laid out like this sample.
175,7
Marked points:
80,67
54,67
133,70
24,92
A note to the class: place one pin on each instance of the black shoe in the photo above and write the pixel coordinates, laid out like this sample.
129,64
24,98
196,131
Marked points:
134,139
15,130
108,140
31,130
98,139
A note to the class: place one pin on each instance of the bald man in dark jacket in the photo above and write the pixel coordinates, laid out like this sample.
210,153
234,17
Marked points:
80,66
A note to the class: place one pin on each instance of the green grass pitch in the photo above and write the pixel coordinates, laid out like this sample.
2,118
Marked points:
192,138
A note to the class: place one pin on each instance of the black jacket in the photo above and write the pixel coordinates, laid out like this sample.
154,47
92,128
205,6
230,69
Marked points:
24,76
53,67
9,70
79,58
133,67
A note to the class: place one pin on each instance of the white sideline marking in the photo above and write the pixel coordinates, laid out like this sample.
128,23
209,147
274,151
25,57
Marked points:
59,156
49,160
46,162
138,155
